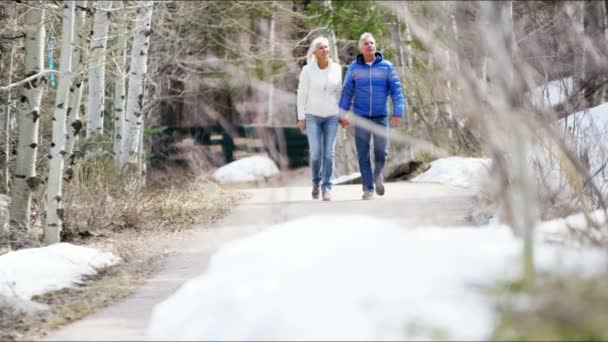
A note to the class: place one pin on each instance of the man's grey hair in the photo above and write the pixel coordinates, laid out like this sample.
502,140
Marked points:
364,36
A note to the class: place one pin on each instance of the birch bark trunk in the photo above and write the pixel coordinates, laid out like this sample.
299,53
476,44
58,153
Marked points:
97,69
73,115
25,180
139,65
54,213
120,87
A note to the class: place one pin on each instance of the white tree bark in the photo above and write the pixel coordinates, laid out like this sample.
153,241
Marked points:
5,115
120,88
139,65
73,114
97,68
54,213
28,114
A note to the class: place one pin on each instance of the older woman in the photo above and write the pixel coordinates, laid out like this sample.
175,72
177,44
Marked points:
318,113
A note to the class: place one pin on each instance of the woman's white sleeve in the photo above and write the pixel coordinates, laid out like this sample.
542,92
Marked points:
302,97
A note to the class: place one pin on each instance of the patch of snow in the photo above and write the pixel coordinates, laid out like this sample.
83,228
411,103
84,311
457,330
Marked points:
353,278
346,178
33,271
586,133
459,171
551,94
249,169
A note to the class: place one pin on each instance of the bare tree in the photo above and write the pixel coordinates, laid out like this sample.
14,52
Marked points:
97,65
54,213
137,70
120,84
76,90
5,110
28,113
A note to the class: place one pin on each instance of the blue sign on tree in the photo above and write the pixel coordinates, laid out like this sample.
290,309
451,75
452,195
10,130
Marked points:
51,47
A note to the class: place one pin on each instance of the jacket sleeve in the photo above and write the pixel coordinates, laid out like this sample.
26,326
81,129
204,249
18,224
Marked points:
302,97
396,92
348,87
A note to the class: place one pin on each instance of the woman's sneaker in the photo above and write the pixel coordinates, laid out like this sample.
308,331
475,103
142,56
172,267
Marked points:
315,192
326,195
367,195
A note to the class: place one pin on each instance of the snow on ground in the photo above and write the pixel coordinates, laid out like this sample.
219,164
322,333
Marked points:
459,171
550,94
33,271
249,169
346,178
353,278
588,136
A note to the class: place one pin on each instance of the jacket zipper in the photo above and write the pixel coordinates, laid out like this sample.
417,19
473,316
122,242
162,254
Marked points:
370,89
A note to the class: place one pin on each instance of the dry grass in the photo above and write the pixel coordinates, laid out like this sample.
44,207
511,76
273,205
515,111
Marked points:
100,199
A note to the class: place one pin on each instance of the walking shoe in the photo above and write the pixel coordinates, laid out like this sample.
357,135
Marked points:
380,185
367,195
315,192
326,195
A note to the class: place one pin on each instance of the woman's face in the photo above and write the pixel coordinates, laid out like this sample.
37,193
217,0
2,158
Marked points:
322,52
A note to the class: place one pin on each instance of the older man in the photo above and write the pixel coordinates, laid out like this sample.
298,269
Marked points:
369,81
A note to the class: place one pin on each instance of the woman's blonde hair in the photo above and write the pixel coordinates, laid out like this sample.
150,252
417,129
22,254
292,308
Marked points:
310,57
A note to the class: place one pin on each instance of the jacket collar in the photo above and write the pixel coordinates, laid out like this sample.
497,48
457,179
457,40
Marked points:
315,65
379,57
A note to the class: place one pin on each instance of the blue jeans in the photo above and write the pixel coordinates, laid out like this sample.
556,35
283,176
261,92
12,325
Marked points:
321,132
362,143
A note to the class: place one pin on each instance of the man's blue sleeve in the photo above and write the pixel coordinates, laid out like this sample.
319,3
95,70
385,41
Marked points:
347,90
396,92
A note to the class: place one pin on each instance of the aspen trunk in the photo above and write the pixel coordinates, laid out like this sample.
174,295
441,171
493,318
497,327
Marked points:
5,114
28,114
139,59
120,89
97,69
271,40
73,114
54,205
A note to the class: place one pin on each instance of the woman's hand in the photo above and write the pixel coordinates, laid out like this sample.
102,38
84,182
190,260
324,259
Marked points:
343,122
302,125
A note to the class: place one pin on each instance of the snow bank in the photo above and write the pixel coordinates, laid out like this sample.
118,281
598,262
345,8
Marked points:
346,178
352,278
550,94
33,271
249,169
587,134
459,171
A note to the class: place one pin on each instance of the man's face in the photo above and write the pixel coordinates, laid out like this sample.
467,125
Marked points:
368,47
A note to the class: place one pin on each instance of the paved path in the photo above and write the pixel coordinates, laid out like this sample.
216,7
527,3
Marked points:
407,203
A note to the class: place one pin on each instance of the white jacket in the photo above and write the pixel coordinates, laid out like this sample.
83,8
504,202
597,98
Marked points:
319,90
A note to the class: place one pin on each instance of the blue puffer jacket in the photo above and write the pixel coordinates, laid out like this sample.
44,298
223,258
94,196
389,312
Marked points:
371,86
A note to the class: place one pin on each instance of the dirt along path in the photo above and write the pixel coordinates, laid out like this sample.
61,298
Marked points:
409,204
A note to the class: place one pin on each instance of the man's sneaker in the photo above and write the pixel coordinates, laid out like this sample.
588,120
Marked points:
380,185
326,195
367,195
315,192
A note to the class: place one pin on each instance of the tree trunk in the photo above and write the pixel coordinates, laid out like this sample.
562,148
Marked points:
97,69
28,111
139,66
5,113
576,13
271,40
54,213
120,87
509,129
73,114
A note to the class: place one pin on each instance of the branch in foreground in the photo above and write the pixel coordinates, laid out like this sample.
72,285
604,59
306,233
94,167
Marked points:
26,80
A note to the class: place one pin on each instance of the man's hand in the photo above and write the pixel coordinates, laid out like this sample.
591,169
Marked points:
343,122
395,120
302,125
